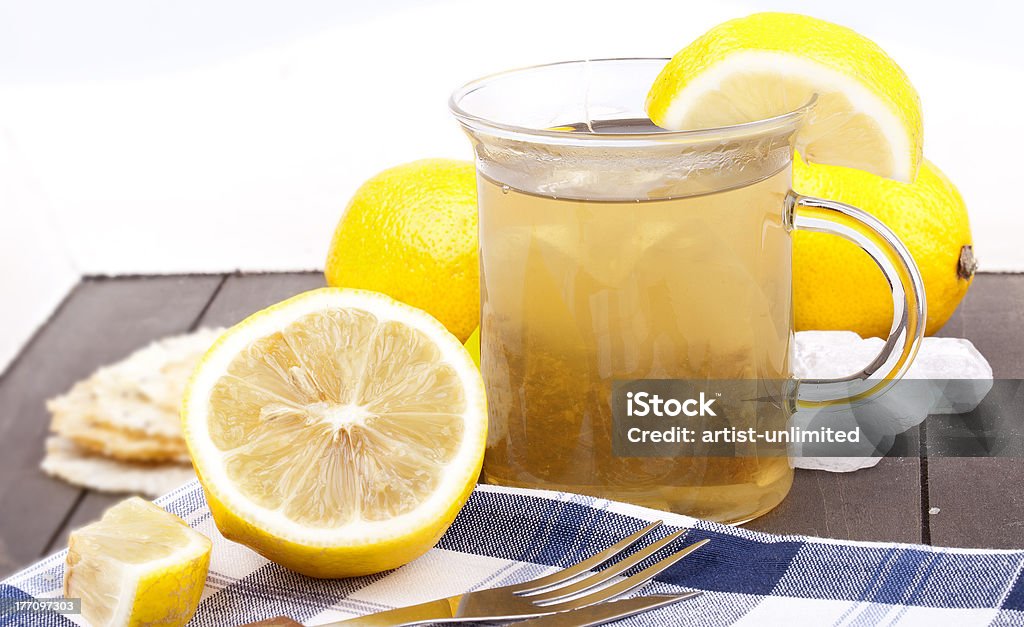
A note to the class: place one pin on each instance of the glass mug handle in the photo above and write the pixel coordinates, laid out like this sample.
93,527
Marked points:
908,299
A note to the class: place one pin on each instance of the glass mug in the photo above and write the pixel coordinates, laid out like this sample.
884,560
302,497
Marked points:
611,249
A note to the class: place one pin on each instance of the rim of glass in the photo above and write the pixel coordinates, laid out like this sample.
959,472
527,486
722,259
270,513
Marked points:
477,122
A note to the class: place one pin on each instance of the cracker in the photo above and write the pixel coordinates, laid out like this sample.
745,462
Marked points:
65,460
121,444
129,410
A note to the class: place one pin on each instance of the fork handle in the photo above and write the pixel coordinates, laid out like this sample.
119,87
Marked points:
432,611
439,610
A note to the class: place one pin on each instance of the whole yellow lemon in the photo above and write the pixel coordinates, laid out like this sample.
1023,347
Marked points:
411,233
837,286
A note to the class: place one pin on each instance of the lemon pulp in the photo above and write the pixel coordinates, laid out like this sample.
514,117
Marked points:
327,432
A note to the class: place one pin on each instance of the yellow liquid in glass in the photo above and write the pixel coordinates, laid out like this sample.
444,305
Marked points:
577,294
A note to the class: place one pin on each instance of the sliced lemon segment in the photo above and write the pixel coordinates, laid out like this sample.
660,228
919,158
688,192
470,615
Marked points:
867,115
337,433
138,565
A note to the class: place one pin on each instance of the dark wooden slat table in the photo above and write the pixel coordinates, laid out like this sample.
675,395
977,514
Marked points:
979,500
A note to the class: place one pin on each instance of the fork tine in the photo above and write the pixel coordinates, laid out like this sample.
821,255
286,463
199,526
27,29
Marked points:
562,576
629,583
602,576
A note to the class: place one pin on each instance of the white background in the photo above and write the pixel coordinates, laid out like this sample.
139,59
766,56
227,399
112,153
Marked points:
143,136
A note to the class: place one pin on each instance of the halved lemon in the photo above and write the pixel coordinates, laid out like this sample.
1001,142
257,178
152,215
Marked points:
337,433
867,115
138,565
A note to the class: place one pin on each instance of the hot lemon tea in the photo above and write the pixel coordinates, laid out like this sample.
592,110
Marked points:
614,254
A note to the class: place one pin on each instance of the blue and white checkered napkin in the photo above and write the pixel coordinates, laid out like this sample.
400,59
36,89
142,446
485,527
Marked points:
506,535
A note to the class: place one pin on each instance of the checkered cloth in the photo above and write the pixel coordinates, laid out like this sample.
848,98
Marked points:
506,535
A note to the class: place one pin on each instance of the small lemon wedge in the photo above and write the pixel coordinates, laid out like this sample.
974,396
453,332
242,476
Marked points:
138,565
867,115
337,433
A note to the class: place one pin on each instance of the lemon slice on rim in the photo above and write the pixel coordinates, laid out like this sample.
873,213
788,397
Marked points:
138,565
337,433
867,115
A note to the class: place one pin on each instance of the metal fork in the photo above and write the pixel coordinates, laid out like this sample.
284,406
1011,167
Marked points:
558,592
